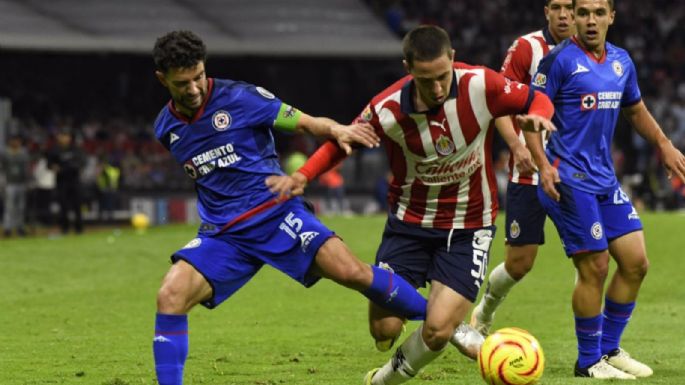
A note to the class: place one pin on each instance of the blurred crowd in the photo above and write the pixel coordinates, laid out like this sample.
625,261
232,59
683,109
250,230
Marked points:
110,121
653,32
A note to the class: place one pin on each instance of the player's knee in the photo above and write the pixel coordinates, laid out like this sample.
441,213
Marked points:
435,336
383,330
637,270
519,266
171,300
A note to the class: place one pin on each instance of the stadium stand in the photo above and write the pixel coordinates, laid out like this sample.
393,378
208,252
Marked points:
84,64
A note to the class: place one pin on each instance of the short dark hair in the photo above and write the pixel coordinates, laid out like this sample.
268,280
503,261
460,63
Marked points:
425,43
178,49
611,4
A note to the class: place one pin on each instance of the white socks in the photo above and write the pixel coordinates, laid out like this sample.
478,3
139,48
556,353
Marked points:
408,359
499,284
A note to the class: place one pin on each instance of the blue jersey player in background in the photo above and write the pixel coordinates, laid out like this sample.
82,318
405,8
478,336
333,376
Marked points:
220,131
590,82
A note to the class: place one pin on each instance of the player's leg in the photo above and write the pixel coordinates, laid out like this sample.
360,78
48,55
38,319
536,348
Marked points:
525,221
403,252
207,271
456,273
182,288
577,217
619,303
335,261
385,327
627,247
446,310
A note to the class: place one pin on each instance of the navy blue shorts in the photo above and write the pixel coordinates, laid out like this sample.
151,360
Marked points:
525,222
588,222
420,255
286,237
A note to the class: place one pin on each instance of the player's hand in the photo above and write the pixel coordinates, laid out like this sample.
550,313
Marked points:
287,185
549,177
534,123
523,160
674,161
358,133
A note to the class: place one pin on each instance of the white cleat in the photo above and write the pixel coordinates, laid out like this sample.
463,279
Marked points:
467,340
620,359
369,376
603,371
478,323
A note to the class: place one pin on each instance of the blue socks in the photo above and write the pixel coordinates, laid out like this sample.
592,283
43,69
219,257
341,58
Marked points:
589,334
170,347
393,293
616,316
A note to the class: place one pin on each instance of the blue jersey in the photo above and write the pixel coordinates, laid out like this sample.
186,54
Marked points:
588,95
227,148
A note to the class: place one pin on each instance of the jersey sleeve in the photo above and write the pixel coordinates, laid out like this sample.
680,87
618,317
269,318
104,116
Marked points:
505,96
549,77
517,63
631,93
369,115
260,107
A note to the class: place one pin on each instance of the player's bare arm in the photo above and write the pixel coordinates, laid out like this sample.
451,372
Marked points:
345,135
523,160
548,174
642,120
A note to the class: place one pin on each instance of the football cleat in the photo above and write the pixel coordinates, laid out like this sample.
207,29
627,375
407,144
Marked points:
467,340
602,370
369,376
477,322
620,359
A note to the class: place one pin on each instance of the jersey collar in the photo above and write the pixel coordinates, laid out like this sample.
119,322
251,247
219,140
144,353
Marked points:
590,54
549,39
407,104
199,112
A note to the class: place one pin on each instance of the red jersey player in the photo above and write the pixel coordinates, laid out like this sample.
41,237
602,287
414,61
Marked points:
525,217
436,126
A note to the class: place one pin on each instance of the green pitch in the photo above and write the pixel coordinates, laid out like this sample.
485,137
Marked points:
80,310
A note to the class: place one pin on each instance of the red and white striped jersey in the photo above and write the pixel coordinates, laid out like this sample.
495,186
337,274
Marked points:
520,65
441,160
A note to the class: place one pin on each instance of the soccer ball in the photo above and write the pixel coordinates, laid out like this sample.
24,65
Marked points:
140,221
511,356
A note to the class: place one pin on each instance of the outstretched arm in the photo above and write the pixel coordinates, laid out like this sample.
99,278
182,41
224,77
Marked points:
346,136
639,117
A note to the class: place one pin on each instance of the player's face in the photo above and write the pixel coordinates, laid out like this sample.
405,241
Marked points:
187,86
559,14
433,79
592,19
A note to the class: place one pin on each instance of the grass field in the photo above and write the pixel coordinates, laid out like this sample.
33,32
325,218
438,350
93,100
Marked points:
80,310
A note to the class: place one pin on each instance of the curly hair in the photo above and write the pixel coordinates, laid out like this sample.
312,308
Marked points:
178,49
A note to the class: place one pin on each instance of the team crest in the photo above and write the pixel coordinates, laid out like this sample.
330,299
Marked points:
195,242
540,80
588,102
190,170
367,115
617,67
597,231
265,93
514,230
221,120
444,145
